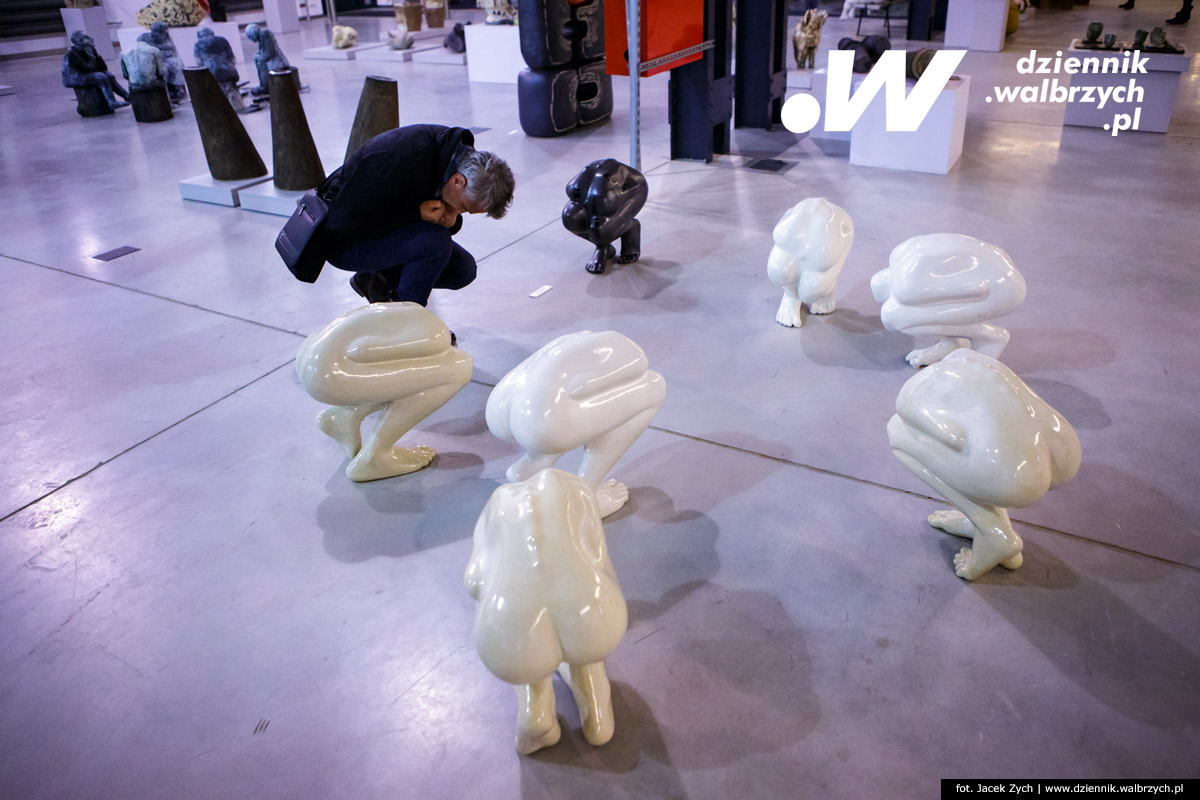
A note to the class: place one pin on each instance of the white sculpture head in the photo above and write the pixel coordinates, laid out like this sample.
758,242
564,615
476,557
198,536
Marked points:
974,424
948,285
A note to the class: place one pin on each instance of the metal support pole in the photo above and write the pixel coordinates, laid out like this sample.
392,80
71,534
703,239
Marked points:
633,24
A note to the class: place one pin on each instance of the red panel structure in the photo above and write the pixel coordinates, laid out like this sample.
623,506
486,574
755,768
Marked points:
668,26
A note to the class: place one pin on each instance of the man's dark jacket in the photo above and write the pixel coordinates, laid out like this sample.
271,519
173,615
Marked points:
381,187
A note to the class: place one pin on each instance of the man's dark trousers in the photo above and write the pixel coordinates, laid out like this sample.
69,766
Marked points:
415,259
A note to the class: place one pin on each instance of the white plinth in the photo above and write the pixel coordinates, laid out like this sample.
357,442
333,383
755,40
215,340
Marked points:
440,55
976,24
6,90
184,39
283,16
819,82
495,53
396,56
933,147
1160,85
94,23
801,79
267,199
204,189
330,53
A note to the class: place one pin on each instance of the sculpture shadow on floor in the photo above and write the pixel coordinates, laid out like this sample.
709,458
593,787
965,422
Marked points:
1045,350
642,280
849,339
396,517
1085,411
1095,638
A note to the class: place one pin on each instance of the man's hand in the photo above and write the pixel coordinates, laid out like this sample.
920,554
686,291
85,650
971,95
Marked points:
439,212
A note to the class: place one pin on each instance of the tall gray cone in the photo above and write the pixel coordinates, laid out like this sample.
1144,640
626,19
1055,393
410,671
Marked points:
378,111
297,165
230,152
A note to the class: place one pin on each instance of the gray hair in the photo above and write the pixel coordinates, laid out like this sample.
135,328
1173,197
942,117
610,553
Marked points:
489,180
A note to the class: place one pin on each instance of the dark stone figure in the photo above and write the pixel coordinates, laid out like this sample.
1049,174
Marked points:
215,54
269,58
84,70
160,38
456,40
143,66
867,51
604,200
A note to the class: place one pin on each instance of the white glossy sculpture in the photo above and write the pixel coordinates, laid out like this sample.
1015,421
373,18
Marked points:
948,285
389,357
589,390
547,596
981,438
812,241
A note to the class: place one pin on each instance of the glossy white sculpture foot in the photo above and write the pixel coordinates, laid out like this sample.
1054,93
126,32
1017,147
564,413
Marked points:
948,285
392,358
589,390
974,432
547,595
812,242
537,723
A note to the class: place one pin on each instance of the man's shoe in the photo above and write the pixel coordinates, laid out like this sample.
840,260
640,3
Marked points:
372,286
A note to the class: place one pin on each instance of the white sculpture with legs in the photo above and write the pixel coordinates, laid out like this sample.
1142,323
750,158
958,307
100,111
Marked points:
812,241
389,357
948,285
589,390
547,596
973,431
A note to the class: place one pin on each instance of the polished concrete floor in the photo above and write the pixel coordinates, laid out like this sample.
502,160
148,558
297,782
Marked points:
195,602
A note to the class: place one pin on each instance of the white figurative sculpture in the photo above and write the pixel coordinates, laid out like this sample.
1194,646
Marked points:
981,438
389,357
948,285
547,596
812,241
589,390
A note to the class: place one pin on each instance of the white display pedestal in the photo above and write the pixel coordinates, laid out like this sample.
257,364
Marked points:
819,82
184,39
283,16
933,147
396,56
204,189
801,79
976,24
94,23
267,199
440,55
1160,85
330,53
495,53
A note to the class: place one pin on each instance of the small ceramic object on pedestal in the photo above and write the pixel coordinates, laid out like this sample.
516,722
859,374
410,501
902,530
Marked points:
499,12
1094,30
343,37
435,13
548,601
456,40
389,357
603,202
411,12
589,390
807,38
974,432
400,38
812,242
948,285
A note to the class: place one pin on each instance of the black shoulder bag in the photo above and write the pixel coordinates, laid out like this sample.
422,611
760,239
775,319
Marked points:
301,243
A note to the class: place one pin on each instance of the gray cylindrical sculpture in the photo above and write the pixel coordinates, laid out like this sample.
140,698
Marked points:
378,112
230,153
297,165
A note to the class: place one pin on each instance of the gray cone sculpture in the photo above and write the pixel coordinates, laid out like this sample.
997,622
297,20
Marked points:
297,165
378,112
230,152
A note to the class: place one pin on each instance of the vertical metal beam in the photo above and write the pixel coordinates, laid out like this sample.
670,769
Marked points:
701,93
633,24
761,79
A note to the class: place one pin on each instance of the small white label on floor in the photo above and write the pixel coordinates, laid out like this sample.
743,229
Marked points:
540,291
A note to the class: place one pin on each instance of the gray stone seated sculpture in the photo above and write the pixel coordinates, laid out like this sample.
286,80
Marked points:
84,70
603,201
160,37
143,66
269,58
215,54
